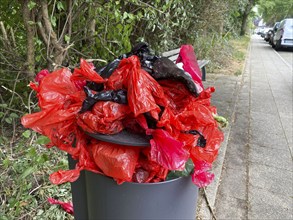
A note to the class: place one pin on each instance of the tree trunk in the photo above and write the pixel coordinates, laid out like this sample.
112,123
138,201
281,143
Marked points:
248,8
30,54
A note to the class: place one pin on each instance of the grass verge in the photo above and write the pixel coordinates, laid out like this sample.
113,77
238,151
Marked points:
233,62
25,166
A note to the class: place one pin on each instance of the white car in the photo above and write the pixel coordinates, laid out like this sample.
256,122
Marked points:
283,37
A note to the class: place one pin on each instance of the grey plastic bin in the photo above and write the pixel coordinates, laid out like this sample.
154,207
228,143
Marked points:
97,197
174,199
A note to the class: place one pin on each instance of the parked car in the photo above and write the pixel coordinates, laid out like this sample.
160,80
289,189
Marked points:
259,30
264,31
275,28
268,35
283,37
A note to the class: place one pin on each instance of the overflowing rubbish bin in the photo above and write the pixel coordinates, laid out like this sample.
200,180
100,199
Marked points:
140,132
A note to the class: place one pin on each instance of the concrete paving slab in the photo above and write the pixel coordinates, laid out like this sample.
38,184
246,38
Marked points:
260,84
271,157
267,104
264,141
266,130
231,208
236,156
284,106
266,177
267,205
233,183
280,94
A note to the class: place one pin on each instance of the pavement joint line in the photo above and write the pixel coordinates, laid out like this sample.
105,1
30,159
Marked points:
283,60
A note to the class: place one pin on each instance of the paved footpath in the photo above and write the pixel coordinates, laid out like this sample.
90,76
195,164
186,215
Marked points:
254,170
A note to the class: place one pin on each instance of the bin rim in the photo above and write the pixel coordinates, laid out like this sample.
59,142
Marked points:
147,184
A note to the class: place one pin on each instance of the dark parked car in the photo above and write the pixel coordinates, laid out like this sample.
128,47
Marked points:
268,35
275,28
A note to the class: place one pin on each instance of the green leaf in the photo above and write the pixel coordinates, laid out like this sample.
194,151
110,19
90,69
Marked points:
67,38
3,218
131,16
31,22
6,163
40,212
125,15
8,120
27,133
27,172
53,21
42,159
31,5
189,166
3,105
14,115
43,140
32,152
60,6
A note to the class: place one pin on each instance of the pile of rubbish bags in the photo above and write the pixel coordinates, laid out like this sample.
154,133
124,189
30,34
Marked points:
140,93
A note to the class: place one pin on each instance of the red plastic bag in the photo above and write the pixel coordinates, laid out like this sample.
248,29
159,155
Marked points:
147,170
174,110
115,160
214,138
105,117
144,93
64,176
167,151
60,102
86,72
66,206
190,65
84,160
41,75
55,89
177,95
201,175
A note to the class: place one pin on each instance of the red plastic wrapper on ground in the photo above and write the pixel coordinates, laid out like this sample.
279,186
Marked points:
66,206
